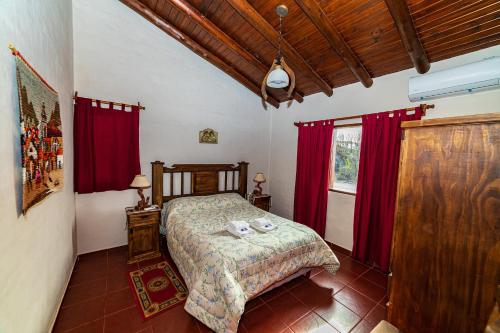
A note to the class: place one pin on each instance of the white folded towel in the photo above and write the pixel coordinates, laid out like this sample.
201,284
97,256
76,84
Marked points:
238,228
261,221
263,224
239,225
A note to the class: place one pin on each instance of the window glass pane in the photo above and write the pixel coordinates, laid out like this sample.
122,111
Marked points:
346,146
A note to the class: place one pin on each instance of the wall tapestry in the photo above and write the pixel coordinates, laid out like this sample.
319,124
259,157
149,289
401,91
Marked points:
41,135
208,135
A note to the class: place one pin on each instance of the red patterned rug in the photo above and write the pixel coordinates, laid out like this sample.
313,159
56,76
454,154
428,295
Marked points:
157,288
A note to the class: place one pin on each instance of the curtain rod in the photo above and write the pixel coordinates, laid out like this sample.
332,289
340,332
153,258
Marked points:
18,54
110,102
424,108
12,48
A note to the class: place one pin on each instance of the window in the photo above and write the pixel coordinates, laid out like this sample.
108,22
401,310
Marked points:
346,146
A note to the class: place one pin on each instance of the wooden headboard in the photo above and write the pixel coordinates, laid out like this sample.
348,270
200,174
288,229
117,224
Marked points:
204,180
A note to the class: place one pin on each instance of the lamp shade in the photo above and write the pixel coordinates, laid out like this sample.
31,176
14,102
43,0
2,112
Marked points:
278,78
259,178
140,181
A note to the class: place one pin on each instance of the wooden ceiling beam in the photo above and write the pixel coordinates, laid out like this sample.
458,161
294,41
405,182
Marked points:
171,30
318,17
253,17
402,18
220,35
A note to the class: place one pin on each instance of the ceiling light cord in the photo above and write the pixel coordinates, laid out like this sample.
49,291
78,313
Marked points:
279,39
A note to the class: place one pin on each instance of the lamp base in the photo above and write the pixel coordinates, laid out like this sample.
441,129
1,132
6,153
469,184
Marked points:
258,190
143,203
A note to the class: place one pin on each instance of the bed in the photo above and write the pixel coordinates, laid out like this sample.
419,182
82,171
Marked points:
223,272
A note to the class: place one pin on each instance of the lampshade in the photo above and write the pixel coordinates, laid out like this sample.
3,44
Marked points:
278,78
140,181
260,178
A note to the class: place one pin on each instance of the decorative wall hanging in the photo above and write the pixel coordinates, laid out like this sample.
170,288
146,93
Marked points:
41,134
208,135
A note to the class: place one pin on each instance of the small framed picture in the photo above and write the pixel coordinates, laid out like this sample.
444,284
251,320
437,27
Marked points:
209,135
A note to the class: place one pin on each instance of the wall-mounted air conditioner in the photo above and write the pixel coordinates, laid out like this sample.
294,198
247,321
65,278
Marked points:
466,79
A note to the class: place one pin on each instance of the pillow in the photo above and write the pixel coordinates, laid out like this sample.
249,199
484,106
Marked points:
217,201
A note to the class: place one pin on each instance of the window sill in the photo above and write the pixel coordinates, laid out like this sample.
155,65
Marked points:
343,192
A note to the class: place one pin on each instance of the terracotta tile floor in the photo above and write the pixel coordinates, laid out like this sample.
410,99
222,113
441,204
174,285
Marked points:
99,299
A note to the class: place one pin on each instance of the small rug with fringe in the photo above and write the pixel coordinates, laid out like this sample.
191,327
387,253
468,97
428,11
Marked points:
157,288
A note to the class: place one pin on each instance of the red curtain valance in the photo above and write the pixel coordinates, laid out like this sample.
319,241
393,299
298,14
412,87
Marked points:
106,146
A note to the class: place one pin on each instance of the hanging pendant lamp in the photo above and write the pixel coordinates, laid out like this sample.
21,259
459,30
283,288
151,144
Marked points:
280,75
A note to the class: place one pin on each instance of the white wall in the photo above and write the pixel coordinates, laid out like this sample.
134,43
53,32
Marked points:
387,93
121,56
37,251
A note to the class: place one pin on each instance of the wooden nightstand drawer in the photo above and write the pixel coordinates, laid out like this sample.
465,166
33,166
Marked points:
143,234
263,202
144,217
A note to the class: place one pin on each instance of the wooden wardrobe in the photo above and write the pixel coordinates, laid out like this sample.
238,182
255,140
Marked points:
446,252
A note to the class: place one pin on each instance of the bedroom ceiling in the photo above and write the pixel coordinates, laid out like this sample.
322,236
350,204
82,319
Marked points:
327,43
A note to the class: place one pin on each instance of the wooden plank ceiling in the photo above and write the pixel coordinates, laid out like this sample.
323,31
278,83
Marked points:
328,43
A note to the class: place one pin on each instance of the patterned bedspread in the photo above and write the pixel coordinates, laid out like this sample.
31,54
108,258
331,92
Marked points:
221,271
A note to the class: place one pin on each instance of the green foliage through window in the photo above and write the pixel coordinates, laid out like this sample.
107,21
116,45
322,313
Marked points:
347,142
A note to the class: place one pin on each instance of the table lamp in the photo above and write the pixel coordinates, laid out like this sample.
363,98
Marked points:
259,178
140,182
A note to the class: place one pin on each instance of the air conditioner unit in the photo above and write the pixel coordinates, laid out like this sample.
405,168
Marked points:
466,79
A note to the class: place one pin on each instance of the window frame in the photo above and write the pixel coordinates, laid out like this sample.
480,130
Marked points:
342,192
331,182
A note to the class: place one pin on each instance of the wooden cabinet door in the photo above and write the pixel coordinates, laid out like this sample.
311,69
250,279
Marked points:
143,240
446,250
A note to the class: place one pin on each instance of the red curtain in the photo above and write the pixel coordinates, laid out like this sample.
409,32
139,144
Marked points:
311,181
106,146
377,186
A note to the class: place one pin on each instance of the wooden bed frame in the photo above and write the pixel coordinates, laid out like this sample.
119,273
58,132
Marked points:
204,180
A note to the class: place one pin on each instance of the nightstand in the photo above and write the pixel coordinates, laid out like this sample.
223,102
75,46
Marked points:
261,201
143,228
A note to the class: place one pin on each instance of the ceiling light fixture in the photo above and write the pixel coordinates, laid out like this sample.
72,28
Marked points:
280,75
